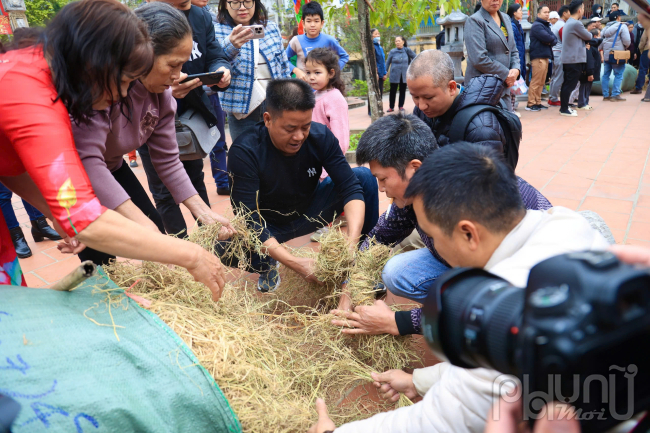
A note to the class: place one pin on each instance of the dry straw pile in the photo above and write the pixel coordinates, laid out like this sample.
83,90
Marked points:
274,354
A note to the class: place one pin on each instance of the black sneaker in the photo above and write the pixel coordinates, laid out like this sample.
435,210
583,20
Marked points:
533,108
542,106
270,280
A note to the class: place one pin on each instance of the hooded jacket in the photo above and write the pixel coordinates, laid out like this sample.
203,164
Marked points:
484,128
594,9
609,34
542,40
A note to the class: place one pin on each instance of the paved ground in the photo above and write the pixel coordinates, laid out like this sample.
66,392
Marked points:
595,161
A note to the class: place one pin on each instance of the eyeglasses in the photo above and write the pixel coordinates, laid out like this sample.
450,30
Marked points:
248,4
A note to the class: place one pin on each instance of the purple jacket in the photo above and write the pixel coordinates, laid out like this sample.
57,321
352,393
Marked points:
103,142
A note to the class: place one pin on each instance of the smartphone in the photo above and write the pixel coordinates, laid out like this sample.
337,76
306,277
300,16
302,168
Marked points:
640,6
258,31
209,79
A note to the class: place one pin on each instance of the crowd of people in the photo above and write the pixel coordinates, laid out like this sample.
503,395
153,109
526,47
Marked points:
102,81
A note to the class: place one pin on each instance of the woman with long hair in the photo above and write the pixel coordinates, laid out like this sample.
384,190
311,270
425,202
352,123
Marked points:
109,134
254,61
84,62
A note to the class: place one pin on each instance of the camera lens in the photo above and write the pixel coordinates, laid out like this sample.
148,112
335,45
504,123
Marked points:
480,321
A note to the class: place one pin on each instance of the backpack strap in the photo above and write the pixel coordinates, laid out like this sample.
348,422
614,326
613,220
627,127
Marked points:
462,119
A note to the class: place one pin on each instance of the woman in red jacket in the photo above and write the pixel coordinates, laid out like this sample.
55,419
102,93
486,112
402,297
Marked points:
85,61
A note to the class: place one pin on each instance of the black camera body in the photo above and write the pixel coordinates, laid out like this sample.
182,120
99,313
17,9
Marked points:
578,333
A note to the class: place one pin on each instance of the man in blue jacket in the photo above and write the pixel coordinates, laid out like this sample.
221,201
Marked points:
542,41
381,63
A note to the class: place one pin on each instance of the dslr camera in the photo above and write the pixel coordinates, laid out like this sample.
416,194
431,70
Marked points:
579,333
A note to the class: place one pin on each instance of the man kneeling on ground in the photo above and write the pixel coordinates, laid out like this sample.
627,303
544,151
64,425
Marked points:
275,169
467,200
395,147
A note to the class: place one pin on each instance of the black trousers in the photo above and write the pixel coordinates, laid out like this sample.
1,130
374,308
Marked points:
572,73
393,92
381,93
171,214
139,197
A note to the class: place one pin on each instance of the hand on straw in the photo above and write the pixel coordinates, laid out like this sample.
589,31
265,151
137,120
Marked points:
324,423
367,319
306,267
392,383
226,231
209,271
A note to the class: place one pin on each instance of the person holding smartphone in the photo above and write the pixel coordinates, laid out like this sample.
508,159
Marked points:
255,61
206,56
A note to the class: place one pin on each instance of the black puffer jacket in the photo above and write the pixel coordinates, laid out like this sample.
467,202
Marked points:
484,128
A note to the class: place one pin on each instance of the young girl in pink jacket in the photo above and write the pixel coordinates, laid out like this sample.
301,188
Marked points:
324,76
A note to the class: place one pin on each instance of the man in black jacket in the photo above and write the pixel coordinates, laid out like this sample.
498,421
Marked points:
207,56
542,41
438,98
275,168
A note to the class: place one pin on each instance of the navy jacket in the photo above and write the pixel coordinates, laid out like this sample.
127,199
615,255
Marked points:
593,61
485,128
520,41
207,56
381,60
542,40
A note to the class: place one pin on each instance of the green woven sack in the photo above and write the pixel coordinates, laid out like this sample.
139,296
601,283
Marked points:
70,374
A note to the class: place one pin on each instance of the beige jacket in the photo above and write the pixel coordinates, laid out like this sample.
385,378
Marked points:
458,400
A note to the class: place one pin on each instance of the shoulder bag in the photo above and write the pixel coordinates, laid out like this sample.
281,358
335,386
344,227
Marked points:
195,138
617,57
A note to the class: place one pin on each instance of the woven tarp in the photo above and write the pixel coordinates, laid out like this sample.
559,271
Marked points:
92,360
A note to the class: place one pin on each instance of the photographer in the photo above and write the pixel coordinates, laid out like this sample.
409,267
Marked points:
488,228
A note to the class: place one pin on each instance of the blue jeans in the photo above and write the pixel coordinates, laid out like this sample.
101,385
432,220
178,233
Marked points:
643,70
618,79
412,274
325,205
219,152
8,209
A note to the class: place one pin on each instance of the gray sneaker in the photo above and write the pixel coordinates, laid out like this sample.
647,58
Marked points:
269,281
617,98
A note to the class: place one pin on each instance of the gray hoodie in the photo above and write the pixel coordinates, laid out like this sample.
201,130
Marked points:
609,33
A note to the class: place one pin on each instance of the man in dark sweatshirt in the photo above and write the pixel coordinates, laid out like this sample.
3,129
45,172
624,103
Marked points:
574,54
542,41
207,56
275,168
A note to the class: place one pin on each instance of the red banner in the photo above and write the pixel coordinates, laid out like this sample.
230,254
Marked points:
5,25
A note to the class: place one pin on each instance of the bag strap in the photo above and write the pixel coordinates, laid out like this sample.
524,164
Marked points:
256,55
462,119
616,37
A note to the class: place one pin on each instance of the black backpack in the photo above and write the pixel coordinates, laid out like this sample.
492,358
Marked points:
508,120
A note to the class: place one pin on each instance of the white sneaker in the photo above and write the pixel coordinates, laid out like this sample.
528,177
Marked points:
571,113
319,233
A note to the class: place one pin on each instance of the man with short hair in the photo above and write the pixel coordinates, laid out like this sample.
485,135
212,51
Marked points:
275,169
542,40
574,54
614,8
616,37
488,228
557,76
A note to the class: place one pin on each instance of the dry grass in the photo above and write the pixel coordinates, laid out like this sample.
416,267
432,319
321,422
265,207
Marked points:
274,354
